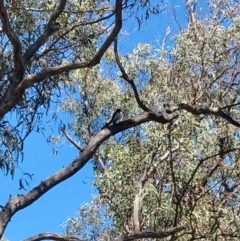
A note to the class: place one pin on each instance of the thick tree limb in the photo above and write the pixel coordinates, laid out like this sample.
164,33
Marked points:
30,80
148,235
17,49
113,35
57,237
52,236
57,12
21,201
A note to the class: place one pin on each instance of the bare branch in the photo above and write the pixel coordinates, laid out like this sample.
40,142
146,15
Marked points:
209,111
17,49
21,201
126,77
52,236
30,80
230,106
158,235
136,208
101,162
168,30
63,129
173,176
57,237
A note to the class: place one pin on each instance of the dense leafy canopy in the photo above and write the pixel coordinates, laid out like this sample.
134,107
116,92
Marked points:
184,173
174,161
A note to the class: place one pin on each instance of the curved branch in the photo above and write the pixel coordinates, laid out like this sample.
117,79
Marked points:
21,201
30,80
13,95
130,81
57,237
147,235
17,49
52,236
209,111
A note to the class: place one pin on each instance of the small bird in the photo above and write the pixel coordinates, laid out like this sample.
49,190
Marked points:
117,115
43,63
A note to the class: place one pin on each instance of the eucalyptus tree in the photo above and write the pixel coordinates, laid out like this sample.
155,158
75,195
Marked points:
171,164
45,46
41,43
184,173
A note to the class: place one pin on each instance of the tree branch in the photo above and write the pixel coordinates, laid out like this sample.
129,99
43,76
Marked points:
17,49
113,35
201,161
50,29
21,201
147,173
147,235
136,208
12,95
210,111
126,78
63,129
52,236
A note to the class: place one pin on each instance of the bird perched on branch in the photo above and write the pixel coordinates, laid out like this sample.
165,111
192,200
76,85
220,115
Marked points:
43,63
117,115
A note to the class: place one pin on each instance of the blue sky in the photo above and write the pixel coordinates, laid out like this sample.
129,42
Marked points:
47,213
54,207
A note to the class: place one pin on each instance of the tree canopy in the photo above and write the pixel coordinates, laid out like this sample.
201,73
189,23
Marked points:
170,168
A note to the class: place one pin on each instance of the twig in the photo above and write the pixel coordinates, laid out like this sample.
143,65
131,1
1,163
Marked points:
63,129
